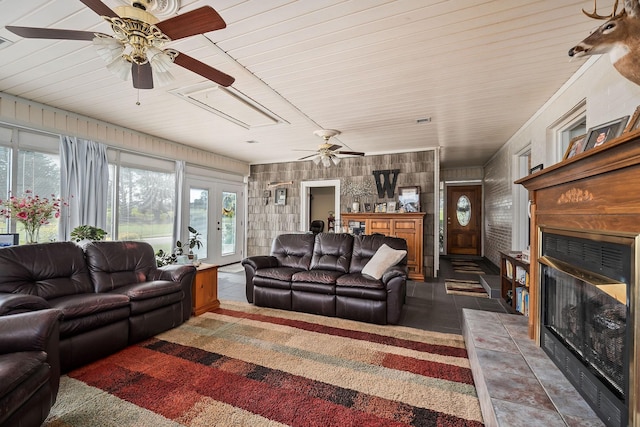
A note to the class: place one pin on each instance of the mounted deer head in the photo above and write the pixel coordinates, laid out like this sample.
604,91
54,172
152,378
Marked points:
619,36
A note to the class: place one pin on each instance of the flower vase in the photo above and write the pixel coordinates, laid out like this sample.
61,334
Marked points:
32,234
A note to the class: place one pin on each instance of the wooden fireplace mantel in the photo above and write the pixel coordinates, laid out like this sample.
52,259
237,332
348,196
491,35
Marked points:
598,190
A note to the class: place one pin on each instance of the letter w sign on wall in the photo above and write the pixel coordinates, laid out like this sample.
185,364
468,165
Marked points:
385,183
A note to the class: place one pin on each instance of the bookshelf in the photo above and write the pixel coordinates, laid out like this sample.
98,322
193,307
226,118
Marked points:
514,277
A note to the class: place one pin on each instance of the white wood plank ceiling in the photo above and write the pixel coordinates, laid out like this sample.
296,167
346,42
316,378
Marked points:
369,68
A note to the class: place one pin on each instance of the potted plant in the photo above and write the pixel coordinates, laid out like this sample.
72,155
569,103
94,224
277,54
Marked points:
193,242
165,258
87,232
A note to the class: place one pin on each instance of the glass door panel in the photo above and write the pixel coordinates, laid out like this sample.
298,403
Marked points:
199,218
228,223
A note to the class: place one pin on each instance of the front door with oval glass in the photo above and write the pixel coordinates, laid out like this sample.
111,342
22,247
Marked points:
464,212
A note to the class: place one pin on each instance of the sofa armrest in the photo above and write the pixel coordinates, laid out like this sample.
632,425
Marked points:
28,331
184,274
261,261
395,271
173,272
253,264
21,303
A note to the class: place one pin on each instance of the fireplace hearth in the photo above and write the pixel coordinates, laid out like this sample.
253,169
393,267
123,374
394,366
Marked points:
585,281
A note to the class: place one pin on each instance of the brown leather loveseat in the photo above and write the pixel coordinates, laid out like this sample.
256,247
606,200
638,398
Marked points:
324,274
111,294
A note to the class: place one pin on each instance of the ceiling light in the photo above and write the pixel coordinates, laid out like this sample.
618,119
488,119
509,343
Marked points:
336,160
120,67
317,160
136,40
326,162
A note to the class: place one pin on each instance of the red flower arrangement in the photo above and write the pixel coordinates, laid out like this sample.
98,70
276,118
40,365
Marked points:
32,211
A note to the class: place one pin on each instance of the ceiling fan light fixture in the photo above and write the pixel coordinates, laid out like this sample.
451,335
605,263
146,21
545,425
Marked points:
326,162
108,48
335,160
317,160
120,67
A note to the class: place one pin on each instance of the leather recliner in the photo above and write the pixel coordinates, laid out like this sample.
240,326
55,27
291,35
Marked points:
29,367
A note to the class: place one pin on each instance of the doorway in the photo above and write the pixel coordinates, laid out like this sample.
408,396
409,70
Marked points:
464,220
215,211
328,191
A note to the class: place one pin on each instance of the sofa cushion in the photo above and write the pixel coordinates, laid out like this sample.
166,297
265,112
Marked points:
365,246
278,273
327,277
293,250
82,305
48,270
359,280
332,252
147,290
384,258
113,264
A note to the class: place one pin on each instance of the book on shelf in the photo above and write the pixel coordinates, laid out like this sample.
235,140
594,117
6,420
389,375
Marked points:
521,275
522,300
509,268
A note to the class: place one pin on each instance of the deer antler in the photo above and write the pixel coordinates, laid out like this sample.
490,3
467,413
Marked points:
595,15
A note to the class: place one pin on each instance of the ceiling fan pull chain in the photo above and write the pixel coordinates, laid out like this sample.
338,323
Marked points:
138,101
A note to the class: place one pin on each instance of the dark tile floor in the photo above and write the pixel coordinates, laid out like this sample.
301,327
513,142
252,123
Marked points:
427,307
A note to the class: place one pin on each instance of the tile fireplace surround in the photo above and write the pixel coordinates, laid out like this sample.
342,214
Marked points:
517,384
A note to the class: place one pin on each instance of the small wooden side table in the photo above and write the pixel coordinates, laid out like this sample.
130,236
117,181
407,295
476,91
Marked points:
205,289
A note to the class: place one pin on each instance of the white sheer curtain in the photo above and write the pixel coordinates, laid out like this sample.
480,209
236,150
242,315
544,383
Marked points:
177,223
84,170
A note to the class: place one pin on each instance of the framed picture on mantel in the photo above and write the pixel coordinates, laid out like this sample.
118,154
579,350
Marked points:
409,198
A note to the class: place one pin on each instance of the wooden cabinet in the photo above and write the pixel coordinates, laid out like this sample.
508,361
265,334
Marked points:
514,277
408,226
204,293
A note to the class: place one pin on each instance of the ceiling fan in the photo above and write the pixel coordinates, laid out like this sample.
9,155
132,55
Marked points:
137,46
327,152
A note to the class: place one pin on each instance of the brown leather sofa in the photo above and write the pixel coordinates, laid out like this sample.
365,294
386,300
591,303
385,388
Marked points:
322,274
111,294
29,367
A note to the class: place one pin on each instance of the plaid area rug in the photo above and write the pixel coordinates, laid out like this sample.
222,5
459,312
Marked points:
465,287
247,366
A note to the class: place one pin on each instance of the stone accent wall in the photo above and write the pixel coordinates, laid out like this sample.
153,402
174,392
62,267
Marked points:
266,221
498,206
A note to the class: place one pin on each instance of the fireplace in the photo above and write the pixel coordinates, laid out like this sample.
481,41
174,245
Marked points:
586,324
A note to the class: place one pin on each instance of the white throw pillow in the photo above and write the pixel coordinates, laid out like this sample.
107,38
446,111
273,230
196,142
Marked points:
384,258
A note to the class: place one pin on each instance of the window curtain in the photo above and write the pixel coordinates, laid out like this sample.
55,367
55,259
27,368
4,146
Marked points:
84,174
177,223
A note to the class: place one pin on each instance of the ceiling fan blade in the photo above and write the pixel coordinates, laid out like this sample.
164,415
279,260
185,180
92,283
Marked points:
100,8
51,33
350,153
198,21
142,76
204,70
308,157
334,147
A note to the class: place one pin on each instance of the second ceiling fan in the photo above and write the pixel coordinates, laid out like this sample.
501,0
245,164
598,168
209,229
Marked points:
137,46
328,153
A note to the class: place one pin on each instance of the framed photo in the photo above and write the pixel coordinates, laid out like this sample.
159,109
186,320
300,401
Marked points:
536,168
381,207
409,198
576,146
367,207
391,207
605,132
9,239
634,122
281,196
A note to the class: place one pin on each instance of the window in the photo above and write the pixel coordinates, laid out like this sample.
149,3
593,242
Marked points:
146,206
40,173
5,169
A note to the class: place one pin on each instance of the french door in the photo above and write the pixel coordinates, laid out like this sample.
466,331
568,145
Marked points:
216,211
